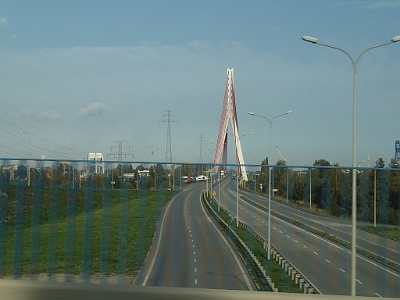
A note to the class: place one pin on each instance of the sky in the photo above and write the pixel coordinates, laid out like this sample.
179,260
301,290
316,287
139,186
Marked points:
80,76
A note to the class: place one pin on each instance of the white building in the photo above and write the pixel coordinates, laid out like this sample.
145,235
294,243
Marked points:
144,173
95,163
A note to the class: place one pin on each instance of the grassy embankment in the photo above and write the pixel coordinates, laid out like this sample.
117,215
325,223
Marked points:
77,231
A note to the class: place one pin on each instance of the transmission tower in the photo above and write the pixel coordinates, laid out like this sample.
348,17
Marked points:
118,151
201,139
167,119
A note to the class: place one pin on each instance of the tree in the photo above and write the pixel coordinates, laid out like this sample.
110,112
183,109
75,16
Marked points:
298,186
394,197
264,175
98,181
21,171
383,199
161,176
322,184
5,176
60,174
345,191
280,178
364,197
380,163
307,188
127,168
322,162
393,164
187,170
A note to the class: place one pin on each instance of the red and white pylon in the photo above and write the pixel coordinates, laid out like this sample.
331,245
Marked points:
229,114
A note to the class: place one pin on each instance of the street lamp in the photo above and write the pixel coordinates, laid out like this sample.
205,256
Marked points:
29,168
237,184
354,62
237,178
269,173
73,169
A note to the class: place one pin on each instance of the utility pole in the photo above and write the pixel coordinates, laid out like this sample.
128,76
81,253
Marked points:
167,119
200,139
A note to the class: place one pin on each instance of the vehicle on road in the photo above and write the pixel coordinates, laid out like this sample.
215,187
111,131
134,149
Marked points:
201,178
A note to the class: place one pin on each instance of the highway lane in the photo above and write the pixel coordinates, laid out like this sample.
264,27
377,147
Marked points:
325,264
189,250
341,228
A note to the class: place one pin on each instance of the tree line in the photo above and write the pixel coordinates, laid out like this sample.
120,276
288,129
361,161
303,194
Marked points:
328,187
122,176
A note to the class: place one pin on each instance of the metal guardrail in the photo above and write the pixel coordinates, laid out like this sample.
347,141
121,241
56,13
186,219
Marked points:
295,274
261,280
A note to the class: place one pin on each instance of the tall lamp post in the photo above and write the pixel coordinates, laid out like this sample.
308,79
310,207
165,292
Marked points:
237,183
269,174
237,178
29,167
354,63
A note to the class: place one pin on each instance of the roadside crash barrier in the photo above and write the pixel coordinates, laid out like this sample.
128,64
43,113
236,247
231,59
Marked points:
266,280
296,276
285,264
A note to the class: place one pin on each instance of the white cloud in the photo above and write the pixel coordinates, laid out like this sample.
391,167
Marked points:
92,109
3,22
49,115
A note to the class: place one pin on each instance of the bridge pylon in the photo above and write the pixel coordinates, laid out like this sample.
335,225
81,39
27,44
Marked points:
229,114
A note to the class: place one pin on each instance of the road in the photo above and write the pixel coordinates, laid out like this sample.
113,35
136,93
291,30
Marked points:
189,250
341,228
325,264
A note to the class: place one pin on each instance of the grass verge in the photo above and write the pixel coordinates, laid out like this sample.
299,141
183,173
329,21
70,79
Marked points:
78,231
392,233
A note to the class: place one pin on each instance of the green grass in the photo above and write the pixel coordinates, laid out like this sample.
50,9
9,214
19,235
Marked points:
78,231
388,232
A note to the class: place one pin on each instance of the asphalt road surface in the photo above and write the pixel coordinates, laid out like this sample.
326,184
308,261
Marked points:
189,250
325,264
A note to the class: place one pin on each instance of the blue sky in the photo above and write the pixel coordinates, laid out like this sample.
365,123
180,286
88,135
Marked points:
80,76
